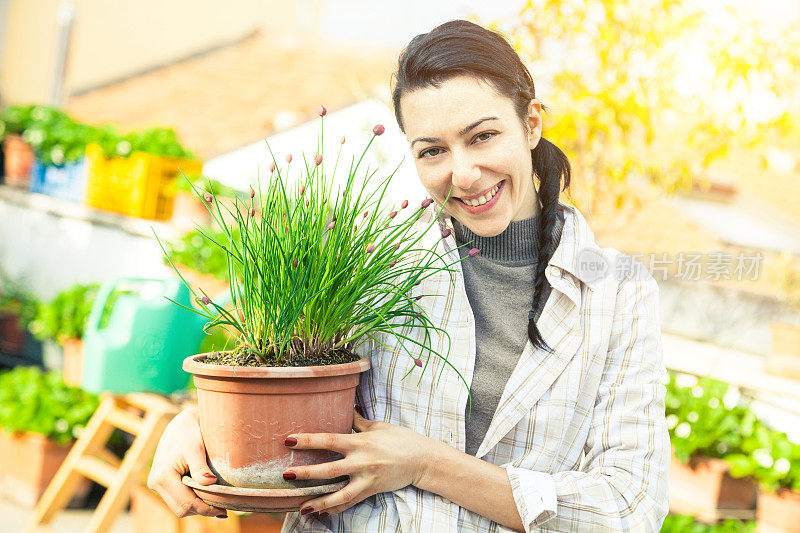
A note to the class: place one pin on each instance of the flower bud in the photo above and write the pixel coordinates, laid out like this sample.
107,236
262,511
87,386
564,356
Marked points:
252,193
307,203
208,198
302,190
446,233
355,228
418,298
365,214
392,263
206,300
294,263
473,252
252,211
322,111
417,283
341,141
404,204
396,245
378,129
418,361
393,214
318,160
288,158
272,167
370,249
334,218
330,225
426,202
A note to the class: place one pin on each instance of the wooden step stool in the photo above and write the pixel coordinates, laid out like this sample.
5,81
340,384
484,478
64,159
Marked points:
89,457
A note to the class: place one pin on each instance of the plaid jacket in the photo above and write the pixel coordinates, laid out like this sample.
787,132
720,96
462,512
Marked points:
580,431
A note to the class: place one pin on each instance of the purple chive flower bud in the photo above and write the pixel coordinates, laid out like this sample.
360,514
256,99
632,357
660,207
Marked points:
206,300
341,141
252,193
318,160
396,245
302,190
330,225
370,249
322,111
446,233
419,314
418,298
334,218
355,228
288,158
404,204
417,283
365,214
426,202
392,263
307,203
418,361
473,252
393,214
252,211
208,198
378,129
272,167
294,263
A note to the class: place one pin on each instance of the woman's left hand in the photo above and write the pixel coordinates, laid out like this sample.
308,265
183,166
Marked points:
380,457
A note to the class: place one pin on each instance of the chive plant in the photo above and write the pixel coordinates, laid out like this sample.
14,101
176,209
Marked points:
317,271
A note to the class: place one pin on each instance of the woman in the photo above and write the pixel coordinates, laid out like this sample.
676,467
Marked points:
569,435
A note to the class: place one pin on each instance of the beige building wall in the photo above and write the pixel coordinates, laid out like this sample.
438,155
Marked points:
113,39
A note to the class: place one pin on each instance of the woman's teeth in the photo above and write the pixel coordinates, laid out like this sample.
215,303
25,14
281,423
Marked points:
482,199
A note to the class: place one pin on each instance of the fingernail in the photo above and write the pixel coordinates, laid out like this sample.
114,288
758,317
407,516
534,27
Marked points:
289,475
222,516
209,475
359,411
290,441
323,514
306,510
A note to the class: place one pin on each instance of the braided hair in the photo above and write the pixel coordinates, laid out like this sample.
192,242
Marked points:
462,48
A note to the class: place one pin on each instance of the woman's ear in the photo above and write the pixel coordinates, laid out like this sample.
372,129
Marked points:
534,123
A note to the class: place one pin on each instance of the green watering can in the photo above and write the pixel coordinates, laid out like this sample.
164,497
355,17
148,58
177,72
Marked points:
136,339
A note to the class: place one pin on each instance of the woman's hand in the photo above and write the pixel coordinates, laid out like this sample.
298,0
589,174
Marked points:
380,457
181,450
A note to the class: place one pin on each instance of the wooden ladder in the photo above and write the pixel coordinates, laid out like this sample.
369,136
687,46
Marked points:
143,415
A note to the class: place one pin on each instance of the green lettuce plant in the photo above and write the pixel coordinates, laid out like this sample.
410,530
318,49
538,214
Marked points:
677,523
306,285
38,402
65,316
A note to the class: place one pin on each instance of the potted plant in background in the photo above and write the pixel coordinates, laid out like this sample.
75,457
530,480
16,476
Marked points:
17,309
201,263
18,154
62,320
704,430
309,289
40,416
770,458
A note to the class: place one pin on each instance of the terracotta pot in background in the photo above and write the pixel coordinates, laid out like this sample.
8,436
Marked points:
247,412
12,335
18,161
704,488
778,512
73,361
28,462
784,357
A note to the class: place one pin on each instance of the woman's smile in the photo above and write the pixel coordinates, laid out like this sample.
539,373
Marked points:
482,202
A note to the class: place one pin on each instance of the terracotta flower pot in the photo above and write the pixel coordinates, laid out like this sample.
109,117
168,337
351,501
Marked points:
12,336
18,161
28,462
705,489
778,512
247,412
73,361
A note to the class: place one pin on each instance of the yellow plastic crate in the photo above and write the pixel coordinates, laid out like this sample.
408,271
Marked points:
142,185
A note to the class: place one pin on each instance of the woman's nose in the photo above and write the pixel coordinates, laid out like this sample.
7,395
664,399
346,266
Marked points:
465,171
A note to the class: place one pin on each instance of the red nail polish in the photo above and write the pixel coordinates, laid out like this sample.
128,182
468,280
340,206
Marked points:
289,475
306,510
290,441
209,475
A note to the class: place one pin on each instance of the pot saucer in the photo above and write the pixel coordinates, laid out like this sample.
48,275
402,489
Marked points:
258,500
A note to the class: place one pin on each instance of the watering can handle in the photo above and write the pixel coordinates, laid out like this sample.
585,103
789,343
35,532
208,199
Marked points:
103,295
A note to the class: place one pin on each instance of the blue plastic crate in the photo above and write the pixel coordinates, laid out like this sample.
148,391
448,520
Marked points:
67,181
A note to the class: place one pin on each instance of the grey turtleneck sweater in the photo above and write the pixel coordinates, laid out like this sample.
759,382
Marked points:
499,283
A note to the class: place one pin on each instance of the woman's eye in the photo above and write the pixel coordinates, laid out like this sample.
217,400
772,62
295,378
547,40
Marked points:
427,153
485,136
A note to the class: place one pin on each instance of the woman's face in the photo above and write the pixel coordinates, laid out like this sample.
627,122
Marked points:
465,135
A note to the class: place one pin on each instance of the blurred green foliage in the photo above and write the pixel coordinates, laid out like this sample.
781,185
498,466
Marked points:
16,300
38,402
65,316
686,524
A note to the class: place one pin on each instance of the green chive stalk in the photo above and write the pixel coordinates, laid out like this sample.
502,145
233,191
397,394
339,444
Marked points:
313,270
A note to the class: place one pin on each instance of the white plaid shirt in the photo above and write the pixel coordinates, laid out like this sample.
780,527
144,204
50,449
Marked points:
580,431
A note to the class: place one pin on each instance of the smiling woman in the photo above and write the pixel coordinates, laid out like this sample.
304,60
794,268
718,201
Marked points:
563,427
